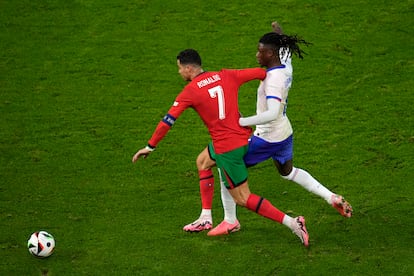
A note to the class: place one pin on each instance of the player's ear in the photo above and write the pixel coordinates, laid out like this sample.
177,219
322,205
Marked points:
273,52
189,67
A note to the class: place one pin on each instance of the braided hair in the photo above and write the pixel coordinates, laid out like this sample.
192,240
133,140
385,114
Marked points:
290,43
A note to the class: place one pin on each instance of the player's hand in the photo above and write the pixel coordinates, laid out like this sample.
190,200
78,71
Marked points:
144,152
277,28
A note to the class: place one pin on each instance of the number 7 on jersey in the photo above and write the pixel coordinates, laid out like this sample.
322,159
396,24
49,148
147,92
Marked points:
217,92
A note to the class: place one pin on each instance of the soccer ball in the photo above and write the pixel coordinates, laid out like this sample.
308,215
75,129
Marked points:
41,244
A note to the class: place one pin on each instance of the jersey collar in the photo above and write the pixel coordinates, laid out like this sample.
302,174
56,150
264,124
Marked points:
276,67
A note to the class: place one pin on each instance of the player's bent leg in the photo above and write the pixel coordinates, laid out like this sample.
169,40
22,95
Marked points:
243,197
203,161
263,207
240,194
205,221
307,181
206,182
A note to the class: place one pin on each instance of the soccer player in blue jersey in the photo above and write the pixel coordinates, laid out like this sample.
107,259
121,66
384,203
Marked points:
273,137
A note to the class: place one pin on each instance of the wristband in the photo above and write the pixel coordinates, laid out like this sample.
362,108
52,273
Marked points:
148,147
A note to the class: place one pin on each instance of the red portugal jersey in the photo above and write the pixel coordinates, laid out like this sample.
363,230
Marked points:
214,96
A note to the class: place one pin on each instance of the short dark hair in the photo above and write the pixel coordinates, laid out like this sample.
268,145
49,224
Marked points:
189,56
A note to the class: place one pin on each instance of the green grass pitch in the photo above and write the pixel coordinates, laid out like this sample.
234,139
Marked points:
83,84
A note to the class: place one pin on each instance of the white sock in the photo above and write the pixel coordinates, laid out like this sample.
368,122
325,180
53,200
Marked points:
205,214
229,206
306,180
287,221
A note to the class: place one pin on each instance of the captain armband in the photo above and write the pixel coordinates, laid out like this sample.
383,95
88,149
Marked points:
169,120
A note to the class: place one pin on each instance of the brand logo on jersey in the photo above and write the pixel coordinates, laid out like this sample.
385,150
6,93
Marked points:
175,104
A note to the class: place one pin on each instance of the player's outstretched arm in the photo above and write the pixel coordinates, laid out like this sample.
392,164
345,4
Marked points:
269,115
144,152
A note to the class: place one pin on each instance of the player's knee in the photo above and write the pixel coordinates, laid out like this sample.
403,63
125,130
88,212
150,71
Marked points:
204,161
240,201
202,164
199,163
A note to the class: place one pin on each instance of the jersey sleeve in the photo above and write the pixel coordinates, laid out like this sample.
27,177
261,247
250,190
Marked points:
245,75
269,115
181,103
275,86
159,133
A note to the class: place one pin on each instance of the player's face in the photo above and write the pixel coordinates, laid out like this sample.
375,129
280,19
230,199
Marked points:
263,54
184,71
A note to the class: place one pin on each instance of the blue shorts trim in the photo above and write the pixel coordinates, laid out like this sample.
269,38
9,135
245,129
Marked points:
261,150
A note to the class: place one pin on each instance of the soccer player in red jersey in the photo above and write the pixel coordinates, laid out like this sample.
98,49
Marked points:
214,96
